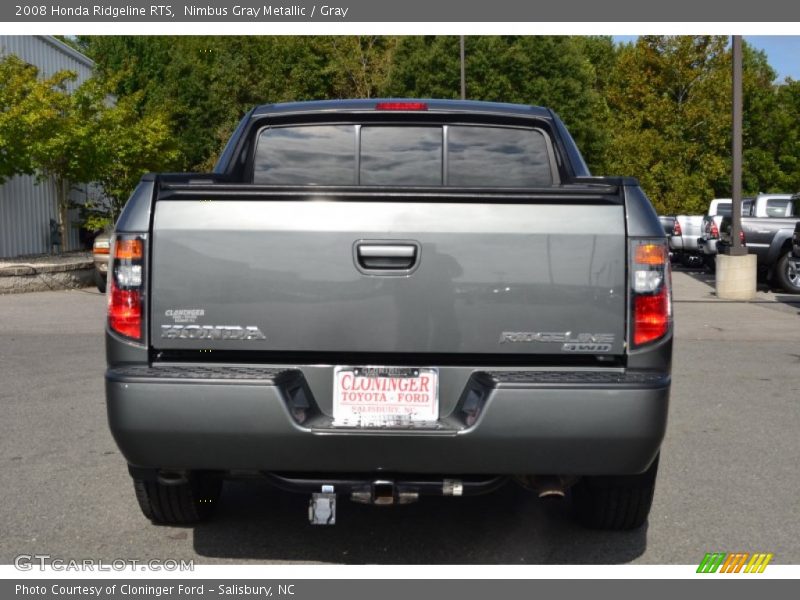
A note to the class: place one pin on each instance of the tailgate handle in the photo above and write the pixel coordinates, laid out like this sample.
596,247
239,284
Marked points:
388,257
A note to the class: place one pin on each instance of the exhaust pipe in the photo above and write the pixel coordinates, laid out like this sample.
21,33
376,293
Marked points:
384,493
545,486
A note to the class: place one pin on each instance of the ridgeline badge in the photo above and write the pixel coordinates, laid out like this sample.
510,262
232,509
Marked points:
579,342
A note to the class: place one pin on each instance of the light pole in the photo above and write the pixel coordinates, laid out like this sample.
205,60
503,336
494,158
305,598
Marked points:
463,72
736,216
736,269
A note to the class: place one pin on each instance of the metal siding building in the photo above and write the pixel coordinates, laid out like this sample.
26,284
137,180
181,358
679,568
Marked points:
26,206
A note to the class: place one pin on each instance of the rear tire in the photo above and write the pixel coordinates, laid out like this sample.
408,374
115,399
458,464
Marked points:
178,504
615,502
100,282
787,274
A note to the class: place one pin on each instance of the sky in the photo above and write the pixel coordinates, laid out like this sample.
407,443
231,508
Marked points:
783,52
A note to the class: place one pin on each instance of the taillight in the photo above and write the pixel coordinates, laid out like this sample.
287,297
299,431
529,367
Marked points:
101,247
651,294
126,286
677,229
741,237
713,231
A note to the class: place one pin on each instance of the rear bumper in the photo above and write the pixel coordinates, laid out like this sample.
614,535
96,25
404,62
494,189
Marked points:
501,422
707,247
101,264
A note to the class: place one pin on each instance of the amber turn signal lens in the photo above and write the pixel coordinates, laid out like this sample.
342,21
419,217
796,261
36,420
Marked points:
128,249
650,254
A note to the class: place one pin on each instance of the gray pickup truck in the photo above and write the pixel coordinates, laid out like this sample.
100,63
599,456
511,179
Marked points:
770,239
379,300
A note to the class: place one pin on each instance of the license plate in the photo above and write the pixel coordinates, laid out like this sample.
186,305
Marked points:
384,396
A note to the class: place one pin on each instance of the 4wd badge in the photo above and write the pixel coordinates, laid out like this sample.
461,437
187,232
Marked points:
579,342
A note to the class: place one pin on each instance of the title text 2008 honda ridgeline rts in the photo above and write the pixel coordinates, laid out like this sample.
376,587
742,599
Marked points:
379,300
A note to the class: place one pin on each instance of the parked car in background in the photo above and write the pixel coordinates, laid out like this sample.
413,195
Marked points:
717,209
795,258
669,223
686,232
770,239
100,250
776,206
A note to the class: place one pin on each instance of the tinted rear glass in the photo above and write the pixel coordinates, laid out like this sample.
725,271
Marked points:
477,156
401,156
726,210
491,156
776,207
320,154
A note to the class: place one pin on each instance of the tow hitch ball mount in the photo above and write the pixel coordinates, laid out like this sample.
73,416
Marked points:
322,507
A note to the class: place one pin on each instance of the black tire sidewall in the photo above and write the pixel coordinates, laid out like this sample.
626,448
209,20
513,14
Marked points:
782,276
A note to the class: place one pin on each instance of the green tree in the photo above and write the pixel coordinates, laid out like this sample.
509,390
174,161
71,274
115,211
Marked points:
30,109
206,84
670,101
124,145
84,136
552,71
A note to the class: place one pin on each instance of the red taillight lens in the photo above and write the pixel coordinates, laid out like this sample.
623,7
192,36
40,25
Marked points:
741,237
651,317
401,106
713,231
677,229
651,301
126,286
125,311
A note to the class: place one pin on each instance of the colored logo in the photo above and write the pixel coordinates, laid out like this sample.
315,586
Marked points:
737,562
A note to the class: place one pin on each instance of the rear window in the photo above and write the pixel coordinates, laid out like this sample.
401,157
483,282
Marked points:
401,156
776,207
726,209
454,155
488,156
322,155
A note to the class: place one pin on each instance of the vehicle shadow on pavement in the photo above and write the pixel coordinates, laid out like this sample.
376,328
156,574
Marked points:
510,526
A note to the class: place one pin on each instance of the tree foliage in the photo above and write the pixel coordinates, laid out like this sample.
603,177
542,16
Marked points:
543,70
657,109
30,109
79,136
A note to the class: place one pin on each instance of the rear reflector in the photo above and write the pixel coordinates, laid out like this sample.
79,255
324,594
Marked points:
401,106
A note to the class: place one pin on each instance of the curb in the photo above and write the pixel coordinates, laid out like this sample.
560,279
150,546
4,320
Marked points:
23,278
30,269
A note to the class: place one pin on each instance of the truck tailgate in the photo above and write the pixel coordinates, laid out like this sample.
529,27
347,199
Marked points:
282,275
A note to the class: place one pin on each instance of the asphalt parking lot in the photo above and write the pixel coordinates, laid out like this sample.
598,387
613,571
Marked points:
728,481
